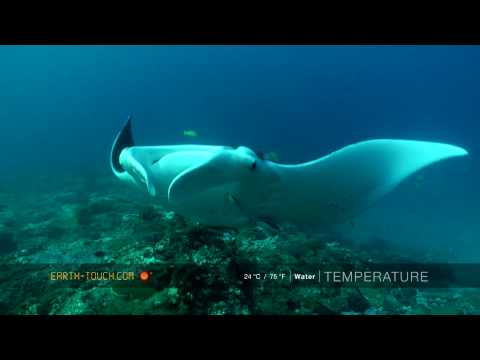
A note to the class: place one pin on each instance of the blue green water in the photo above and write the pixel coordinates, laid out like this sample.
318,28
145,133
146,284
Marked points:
60,107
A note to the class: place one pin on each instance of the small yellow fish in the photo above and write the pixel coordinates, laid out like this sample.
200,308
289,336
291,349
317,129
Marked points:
190,133
272,156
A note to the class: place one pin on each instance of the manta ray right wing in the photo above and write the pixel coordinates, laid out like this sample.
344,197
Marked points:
338,186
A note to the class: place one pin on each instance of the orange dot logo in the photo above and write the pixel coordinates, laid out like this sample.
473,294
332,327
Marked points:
144,275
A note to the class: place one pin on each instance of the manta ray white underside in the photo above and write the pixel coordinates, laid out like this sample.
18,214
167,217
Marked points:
225,186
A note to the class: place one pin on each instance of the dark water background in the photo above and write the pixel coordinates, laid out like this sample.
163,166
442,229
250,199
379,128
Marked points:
60,107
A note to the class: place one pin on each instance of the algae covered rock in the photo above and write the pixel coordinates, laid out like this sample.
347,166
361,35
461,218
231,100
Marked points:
86,213
7,242
195,269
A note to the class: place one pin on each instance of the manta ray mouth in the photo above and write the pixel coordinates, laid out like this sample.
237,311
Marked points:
123,140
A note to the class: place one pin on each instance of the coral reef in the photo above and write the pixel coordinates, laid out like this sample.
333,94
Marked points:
193,269
7,242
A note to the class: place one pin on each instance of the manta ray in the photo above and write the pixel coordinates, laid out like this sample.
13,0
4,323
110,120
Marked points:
234,186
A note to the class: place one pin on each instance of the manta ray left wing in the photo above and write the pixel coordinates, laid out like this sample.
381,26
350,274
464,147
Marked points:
200,178
134,164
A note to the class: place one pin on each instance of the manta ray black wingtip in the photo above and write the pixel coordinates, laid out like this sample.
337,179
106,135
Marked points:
128,123
123,140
